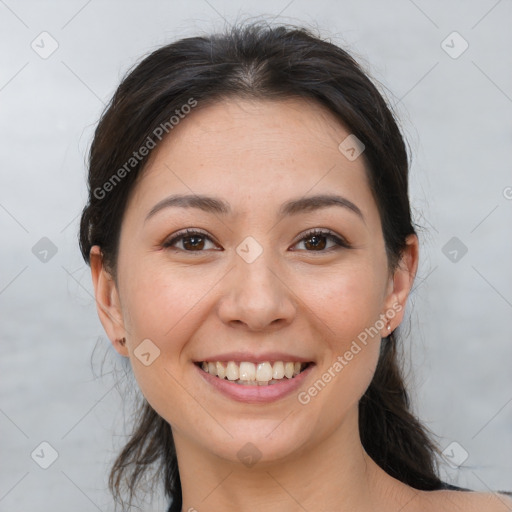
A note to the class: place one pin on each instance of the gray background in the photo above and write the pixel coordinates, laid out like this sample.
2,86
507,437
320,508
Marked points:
455,113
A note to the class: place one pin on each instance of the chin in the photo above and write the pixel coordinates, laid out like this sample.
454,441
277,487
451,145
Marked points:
265,442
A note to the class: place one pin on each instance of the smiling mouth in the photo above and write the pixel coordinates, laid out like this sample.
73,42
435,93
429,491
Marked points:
254,374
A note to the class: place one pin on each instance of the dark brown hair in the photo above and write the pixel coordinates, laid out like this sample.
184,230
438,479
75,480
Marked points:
262,62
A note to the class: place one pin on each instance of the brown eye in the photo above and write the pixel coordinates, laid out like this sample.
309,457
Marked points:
193,242
190,240
317,241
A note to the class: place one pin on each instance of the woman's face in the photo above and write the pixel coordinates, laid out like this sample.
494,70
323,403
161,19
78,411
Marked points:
253,286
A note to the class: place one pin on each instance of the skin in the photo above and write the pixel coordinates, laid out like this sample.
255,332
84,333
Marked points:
293,298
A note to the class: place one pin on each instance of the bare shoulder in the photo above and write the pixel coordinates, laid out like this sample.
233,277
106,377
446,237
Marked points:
467,501
493,502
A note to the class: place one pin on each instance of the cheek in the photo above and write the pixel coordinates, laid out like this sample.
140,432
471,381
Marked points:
347,301
162,305
161,302
349,307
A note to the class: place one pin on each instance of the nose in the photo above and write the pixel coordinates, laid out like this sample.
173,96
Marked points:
257,296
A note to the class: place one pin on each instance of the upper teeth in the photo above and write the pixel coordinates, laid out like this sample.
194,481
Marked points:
260,372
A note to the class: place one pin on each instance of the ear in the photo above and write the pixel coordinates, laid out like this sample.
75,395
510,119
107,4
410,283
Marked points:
400,284
107,301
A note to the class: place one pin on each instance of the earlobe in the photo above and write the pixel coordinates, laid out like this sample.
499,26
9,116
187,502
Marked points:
401,283
107,301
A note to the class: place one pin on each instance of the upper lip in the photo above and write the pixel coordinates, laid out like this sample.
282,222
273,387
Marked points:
255,358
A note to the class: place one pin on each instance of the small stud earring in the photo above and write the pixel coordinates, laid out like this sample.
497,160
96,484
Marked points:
122,341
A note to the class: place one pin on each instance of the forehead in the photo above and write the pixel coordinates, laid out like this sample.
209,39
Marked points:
245,150
268,129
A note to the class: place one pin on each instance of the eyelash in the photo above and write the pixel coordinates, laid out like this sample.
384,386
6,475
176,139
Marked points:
339,241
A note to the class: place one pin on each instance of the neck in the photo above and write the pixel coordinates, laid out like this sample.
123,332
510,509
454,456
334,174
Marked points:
334,474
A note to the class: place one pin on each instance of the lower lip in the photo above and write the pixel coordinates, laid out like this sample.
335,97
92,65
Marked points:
256,394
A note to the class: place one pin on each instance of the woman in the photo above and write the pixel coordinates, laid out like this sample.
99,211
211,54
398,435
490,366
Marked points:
252,251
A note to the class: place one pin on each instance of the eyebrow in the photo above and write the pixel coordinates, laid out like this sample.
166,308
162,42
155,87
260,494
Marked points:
218,206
